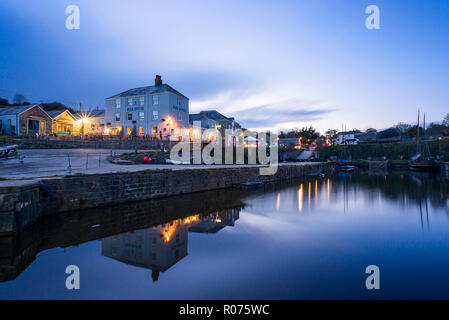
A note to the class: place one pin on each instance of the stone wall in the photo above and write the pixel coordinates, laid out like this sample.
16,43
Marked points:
21,206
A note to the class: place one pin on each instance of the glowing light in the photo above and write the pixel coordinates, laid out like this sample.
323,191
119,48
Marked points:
328,191
300,194
85,120
309,194
278,201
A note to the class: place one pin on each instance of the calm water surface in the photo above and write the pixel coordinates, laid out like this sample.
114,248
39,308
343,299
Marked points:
307,239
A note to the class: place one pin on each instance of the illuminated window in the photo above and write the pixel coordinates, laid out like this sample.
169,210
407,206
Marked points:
154,131
117,117
59,127
117,103
97,126
140,130
128,130
142,101
155,100
141,115
155,114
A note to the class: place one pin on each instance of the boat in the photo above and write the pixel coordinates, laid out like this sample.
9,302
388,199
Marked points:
8,151
344,166
422,161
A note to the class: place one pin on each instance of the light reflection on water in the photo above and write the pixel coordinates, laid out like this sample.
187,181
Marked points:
306,239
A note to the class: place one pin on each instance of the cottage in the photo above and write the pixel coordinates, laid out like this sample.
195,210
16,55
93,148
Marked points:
25,120
62,122
90,122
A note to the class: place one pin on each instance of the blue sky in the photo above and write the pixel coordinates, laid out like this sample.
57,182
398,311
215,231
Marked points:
271,64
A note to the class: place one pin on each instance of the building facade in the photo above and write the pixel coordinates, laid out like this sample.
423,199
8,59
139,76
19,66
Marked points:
25,121
90,122
157,111
63,122
213,119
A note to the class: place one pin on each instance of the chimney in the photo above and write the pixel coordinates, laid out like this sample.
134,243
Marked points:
158,81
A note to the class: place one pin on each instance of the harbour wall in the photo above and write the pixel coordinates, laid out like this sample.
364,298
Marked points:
22,205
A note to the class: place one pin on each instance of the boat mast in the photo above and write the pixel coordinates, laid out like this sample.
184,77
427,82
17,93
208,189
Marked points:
417,135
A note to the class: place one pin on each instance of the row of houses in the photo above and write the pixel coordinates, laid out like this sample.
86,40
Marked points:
31,120
156,112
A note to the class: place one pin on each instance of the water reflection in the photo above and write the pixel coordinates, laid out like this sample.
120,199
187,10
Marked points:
159,248
317,234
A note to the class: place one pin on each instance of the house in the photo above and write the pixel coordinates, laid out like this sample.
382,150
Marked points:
156,111
346,137
25,120
212,119
90,122
63,122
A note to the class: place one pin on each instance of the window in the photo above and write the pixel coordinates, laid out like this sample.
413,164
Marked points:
179,101
179,116
117,103
142,101
141,130
154,131
141,115
130,115
130,101
97,126
117,117
155,114
135,102
155,100
128,130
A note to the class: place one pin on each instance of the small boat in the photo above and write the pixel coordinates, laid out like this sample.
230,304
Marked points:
344,166
250,185
8,151
419,162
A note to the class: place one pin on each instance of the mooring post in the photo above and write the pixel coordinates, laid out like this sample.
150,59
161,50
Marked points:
69,168
87,160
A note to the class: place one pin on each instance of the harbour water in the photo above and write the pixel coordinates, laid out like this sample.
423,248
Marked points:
308,239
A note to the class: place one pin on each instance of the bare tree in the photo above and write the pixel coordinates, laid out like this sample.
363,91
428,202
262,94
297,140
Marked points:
446,120
19,99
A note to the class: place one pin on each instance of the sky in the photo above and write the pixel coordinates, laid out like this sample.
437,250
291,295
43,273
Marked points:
270,64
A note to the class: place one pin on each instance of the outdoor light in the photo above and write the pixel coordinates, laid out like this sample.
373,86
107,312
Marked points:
85,120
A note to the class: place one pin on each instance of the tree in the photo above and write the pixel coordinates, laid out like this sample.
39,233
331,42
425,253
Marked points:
446,120
330,135
19,99
4,102
388,133
437,130
403,128
370,130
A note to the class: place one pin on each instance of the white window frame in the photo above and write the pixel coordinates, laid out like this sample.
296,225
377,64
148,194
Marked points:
117,116
155,115
155,100
142,101
130,101
141,115
127,116
118,103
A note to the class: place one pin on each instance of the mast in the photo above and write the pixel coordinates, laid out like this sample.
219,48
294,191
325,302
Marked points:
417,135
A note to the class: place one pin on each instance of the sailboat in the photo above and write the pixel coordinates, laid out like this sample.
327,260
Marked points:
344,165
422,160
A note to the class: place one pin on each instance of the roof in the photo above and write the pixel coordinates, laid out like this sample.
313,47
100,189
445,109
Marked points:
91,114
15,110
147,90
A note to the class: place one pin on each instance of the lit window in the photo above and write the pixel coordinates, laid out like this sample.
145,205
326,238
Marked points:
140,130
117,117
154,130
142,101
130,102
155,115
97,126
128,130
117,103
155,100
141,115
130,116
